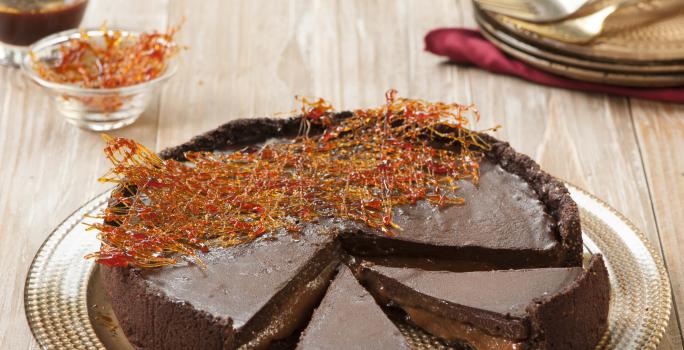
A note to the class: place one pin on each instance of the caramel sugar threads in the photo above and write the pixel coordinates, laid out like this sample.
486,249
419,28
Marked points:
378,158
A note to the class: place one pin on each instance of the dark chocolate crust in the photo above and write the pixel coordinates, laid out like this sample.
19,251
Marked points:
141,310
237,133
142,313
554,318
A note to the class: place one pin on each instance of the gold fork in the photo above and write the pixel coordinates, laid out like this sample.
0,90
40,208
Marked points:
580,30
533,10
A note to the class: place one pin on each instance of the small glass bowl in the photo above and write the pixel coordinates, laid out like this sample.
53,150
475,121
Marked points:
92,108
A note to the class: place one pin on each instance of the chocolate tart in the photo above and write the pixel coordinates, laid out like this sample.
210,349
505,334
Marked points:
349,318
545,308
263,293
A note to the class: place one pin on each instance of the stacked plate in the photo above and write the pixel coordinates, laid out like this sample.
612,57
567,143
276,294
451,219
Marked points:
642,44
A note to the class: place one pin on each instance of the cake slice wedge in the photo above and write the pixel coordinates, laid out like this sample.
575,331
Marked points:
249,295
349,318
546,308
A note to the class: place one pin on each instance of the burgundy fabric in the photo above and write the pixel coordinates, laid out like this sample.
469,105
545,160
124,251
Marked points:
467,46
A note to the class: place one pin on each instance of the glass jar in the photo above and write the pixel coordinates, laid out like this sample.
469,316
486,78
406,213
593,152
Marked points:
23,22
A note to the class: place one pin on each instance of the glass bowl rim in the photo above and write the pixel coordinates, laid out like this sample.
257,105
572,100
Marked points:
62,37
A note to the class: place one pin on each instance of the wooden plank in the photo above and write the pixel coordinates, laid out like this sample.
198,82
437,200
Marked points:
249,58
49,167
251,61
660,131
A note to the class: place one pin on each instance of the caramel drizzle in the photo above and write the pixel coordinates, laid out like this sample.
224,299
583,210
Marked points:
118,61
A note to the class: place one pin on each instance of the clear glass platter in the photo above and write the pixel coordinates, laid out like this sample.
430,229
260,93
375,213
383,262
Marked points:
66,306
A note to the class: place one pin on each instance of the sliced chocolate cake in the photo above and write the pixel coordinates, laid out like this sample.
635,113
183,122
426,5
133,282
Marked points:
503,223
236,249
349,318
547,308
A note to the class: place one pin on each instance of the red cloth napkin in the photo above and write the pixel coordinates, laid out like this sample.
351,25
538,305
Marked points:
467,46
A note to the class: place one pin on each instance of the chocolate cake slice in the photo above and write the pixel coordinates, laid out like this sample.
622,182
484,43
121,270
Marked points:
349,318
548,308
248,295
502,224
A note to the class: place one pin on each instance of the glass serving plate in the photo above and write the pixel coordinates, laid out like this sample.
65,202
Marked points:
67,308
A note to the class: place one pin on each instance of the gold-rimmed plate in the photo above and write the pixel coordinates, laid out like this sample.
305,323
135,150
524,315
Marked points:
585,74
486,23
66,307
647,32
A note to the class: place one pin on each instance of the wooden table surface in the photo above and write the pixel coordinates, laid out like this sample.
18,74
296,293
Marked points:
249,58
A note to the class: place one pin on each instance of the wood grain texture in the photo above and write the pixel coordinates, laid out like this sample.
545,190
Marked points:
660,132
249,58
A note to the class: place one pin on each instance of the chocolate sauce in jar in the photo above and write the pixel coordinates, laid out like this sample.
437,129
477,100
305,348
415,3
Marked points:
23,22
